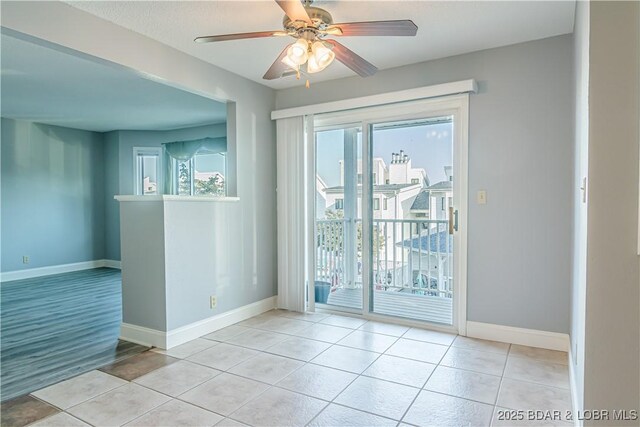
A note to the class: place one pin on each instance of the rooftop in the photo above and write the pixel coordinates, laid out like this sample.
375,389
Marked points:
376,188
421,202
433,242
442,185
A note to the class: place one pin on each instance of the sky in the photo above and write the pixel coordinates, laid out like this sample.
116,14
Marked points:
429,146
210,163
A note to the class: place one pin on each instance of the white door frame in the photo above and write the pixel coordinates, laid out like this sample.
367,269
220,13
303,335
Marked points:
456,106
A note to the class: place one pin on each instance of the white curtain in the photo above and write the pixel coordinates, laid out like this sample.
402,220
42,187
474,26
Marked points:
183,151
291,213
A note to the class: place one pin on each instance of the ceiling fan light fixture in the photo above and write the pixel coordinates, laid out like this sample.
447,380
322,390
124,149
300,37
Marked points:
289,63
298,52
312,65
321,58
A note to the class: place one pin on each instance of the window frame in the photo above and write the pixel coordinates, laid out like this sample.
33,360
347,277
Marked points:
335,204
192,178
137,169
223,174
176,175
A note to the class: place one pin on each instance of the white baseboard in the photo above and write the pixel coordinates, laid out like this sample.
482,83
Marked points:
575,401
111,263
143,336
175,337
56,269
522,336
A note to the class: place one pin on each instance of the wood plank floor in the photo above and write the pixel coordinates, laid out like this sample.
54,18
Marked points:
59,326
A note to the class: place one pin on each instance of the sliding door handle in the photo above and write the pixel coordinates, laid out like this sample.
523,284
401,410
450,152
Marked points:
453,220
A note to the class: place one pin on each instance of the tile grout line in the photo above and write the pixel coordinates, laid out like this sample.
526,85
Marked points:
425,383
501,382
365,376
128,421
316,364
83,401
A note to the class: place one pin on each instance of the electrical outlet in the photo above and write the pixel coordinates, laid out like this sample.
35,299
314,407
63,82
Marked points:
25,259
213,301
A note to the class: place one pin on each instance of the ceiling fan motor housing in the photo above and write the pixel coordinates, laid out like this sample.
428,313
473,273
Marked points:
320,18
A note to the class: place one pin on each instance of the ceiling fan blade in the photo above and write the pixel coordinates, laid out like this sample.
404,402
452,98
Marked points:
332,31
378,28
294,10
352,60
278,68
239,36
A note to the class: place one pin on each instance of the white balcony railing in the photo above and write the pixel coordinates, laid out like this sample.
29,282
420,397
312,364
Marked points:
409,255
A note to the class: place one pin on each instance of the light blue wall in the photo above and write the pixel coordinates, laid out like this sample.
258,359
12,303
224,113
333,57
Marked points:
69,214
119,168
521,153
255,150
134,138
111,188
52,195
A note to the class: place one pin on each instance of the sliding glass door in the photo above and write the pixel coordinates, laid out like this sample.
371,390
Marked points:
390,199
338,220
412,195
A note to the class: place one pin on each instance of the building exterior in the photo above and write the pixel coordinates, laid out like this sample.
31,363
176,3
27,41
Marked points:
400,191
395,186
434,201
410,248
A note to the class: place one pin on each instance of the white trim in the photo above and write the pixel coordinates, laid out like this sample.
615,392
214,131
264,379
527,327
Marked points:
173,198
197,329
57,269
522,336
575,402
453,88
143,336
111,263
151,152
175,337
461,197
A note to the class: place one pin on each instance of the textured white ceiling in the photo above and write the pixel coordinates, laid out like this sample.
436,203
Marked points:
444,29
47,86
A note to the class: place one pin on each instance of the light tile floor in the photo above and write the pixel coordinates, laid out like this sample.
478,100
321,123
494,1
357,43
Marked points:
290,369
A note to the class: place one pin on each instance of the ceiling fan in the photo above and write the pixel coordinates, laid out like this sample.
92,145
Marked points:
310,25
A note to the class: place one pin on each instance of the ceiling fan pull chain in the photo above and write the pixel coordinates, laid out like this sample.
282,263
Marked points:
298,74
307,84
